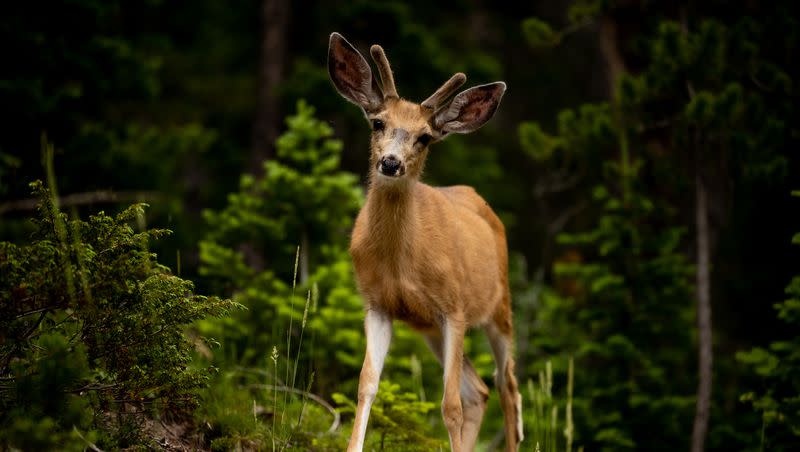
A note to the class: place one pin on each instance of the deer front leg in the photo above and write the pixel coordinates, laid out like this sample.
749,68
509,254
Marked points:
378,327
453,335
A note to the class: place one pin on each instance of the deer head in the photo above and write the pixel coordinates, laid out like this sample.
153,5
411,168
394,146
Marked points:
402,130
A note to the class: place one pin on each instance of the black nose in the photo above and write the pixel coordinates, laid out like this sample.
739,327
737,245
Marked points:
389,165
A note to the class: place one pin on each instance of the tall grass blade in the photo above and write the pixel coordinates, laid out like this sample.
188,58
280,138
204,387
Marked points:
289,333
569,430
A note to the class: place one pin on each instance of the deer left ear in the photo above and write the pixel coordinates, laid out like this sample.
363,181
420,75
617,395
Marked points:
470,109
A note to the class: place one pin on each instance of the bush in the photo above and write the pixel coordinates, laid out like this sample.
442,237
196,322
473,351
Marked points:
92,326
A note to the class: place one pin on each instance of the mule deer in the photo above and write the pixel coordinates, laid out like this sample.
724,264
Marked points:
435,258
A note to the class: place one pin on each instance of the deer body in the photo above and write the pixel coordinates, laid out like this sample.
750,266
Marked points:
435,258
444,249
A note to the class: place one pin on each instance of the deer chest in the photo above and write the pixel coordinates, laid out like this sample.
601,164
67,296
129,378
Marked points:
407,294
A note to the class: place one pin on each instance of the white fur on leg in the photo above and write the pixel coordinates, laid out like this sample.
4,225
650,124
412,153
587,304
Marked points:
379,335
378,327
363,414
519,418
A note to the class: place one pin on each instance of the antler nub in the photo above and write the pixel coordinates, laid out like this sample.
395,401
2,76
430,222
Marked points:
387,79
445,91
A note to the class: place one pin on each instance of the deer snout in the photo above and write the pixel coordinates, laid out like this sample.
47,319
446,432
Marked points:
390,165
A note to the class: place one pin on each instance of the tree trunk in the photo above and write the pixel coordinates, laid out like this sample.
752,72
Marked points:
275,25
703,233
703,312
609,48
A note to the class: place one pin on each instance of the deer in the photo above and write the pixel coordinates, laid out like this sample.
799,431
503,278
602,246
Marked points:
433,257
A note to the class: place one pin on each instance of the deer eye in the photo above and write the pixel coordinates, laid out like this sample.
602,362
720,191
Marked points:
424,139
378,125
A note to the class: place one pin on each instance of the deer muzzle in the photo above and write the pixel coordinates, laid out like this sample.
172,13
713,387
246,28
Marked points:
391,166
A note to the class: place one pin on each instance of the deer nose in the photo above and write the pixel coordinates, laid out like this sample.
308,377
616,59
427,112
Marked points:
390,165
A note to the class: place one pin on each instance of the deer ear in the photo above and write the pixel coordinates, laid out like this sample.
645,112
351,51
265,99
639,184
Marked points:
351,74
470,109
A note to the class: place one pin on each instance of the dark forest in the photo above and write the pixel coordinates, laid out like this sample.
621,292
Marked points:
179,183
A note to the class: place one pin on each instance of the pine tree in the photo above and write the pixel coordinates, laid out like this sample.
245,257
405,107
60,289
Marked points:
704,98
631,300
303,200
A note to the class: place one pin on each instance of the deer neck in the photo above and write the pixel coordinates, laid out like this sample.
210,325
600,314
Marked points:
392,213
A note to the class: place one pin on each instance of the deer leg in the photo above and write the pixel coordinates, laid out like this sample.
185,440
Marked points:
453,358
474,394
378,327
501,339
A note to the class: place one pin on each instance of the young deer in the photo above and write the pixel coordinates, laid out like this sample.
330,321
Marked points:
435,258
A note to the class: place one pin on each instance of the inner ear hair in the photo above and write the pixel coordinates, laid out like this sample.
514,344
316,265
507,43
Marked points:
351,74
469,109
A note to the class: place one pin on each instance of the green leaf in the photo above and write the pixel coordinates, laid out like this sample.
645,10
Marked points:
538,33
535,142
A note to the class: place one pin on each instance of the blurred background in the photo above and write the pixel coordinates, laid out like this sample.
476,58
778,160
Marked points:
642,160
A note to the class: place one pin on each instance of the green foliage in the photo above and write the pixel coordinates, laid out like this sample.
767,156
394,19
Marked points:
303,199
133,149
163,108
539,33
232,421
693,100
581,11
243,409
542,418
91,324
232,414
633,296
397,420
778,368
43,402
584,136
99,78
538,144
721,112
630,289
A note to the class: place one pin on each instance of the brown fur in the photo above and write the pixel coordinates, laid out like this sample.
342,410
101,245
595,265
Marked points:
420,253
424,254
435,258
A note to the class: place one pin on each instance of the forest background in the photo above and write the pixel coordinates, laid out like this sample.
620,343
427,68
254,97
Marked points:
643,162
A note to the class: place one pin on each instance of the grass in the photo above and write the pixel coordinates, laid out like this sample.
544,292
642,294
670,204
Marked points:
247,408
235,405
265,409
542,420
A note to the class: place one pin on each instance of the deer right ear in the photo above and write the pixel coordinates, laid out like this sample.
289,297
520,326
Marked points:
351,74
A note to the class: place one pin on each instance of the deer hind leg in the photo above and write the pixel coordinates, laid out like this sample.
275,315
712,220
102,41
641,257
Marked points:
474,394
453,360
501,338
